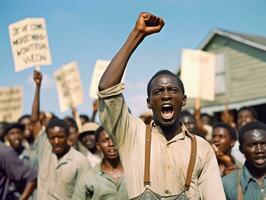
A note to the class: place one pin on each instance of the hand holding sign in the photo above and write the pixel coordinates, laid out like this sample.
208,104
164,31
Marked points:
37,77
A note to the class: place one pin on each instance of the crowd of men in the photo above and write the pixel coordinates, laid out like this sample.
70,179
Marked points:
171,154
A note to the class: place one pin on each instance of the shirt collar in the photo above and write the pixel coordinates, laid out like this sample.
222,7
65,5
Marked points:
180,136
66,158
246,178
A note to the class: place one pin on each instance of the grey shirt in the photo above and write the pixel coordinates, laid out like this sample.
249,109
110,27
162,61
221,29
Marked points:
57,178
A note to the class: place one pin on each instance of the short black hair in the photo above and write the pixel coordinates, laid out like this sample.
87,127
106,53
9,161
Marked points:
250,126
98,132
24,117
231,130
85,117
165,72
71,122
250,109
58,122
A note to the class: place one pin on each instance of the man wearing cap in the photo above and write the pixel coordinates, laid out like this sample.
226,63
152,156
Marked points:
249,182
87,139
14,169
14,138
60,165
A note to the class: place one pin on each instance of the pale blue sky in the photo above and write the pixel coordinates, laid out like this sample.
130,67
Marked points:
84,31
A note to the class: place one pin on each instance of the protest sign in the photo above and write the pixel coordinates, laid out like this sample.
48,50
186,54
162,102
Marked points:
11,99
29,43
98,71
69,86
198,74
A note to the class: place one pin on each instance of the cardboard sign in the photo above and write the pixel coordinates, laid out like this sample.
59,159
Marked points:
69,86
198,74
11,99
29,43
98,71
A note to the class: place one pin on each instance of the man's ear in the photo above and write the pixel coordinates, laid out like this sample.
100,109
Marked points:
184,100
148,103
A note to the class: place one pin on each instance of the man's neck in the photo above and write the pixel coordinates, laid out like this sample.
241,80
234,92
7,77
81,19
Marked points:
258,174
171,131
110,165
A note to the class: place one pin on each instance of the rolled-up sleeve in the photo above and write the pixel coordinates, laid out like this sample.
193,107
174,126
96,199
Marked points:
113,113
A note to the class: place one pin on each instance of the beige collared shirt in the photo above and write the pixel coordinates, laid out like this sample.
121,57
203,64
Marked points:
57,178
169,159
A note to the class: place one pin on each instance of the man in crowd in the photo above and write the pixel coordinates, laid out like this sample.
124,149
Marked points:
60,165
14,169
249,182
27,133
88,140
223,139
169,174
105,181
244,116
14,138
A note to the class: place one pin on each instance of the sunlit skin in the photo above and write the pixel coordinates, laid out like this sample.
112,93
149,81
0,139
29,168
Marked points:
222,143
89,142
73,136
58,139
222,140
189,122
15,137
111,161
27,133
244,117
254,149
166,101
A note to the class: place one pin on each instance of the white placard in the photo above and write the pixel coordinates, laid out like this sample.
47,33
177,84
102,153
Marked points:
11,100
69,86
29,43
98,71
198,74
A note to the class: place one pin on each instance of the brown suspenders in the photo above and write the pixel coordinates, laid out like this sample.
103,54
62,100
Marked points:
191,165
239,188
147,156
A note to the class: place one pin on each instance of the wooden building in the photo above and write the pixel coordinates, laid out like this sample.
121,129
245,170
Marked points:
241,80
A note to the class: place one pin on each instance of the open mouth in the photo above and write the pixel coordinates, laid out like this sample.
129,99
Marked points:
167,111
260,160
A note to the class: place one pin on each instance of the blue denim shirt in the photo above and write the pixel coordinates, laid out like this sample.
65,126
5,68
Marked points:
251,190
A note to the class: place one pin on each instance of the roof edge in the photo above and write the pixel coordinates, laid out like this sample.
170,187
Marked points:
237,38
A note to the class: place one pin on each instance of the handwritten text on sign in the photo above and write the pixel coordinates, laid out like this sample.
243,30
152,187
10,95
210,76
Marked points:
69,86
11,99
29,43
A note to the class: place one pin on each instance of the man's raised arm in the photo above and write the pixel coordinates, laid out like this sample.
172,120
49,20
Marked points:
146,24
35,113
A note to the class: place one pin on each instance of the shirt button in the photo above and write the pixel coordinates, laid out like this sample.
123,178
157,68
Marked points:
168,167
166,192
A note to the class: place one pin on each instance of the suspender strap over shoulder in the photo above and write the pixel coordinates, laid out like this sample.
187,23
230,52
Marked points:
147,156
192,161
191,165
239,188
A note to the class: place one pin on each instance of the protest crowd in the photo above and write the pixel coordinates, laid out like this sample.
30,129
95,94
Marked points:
170,153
